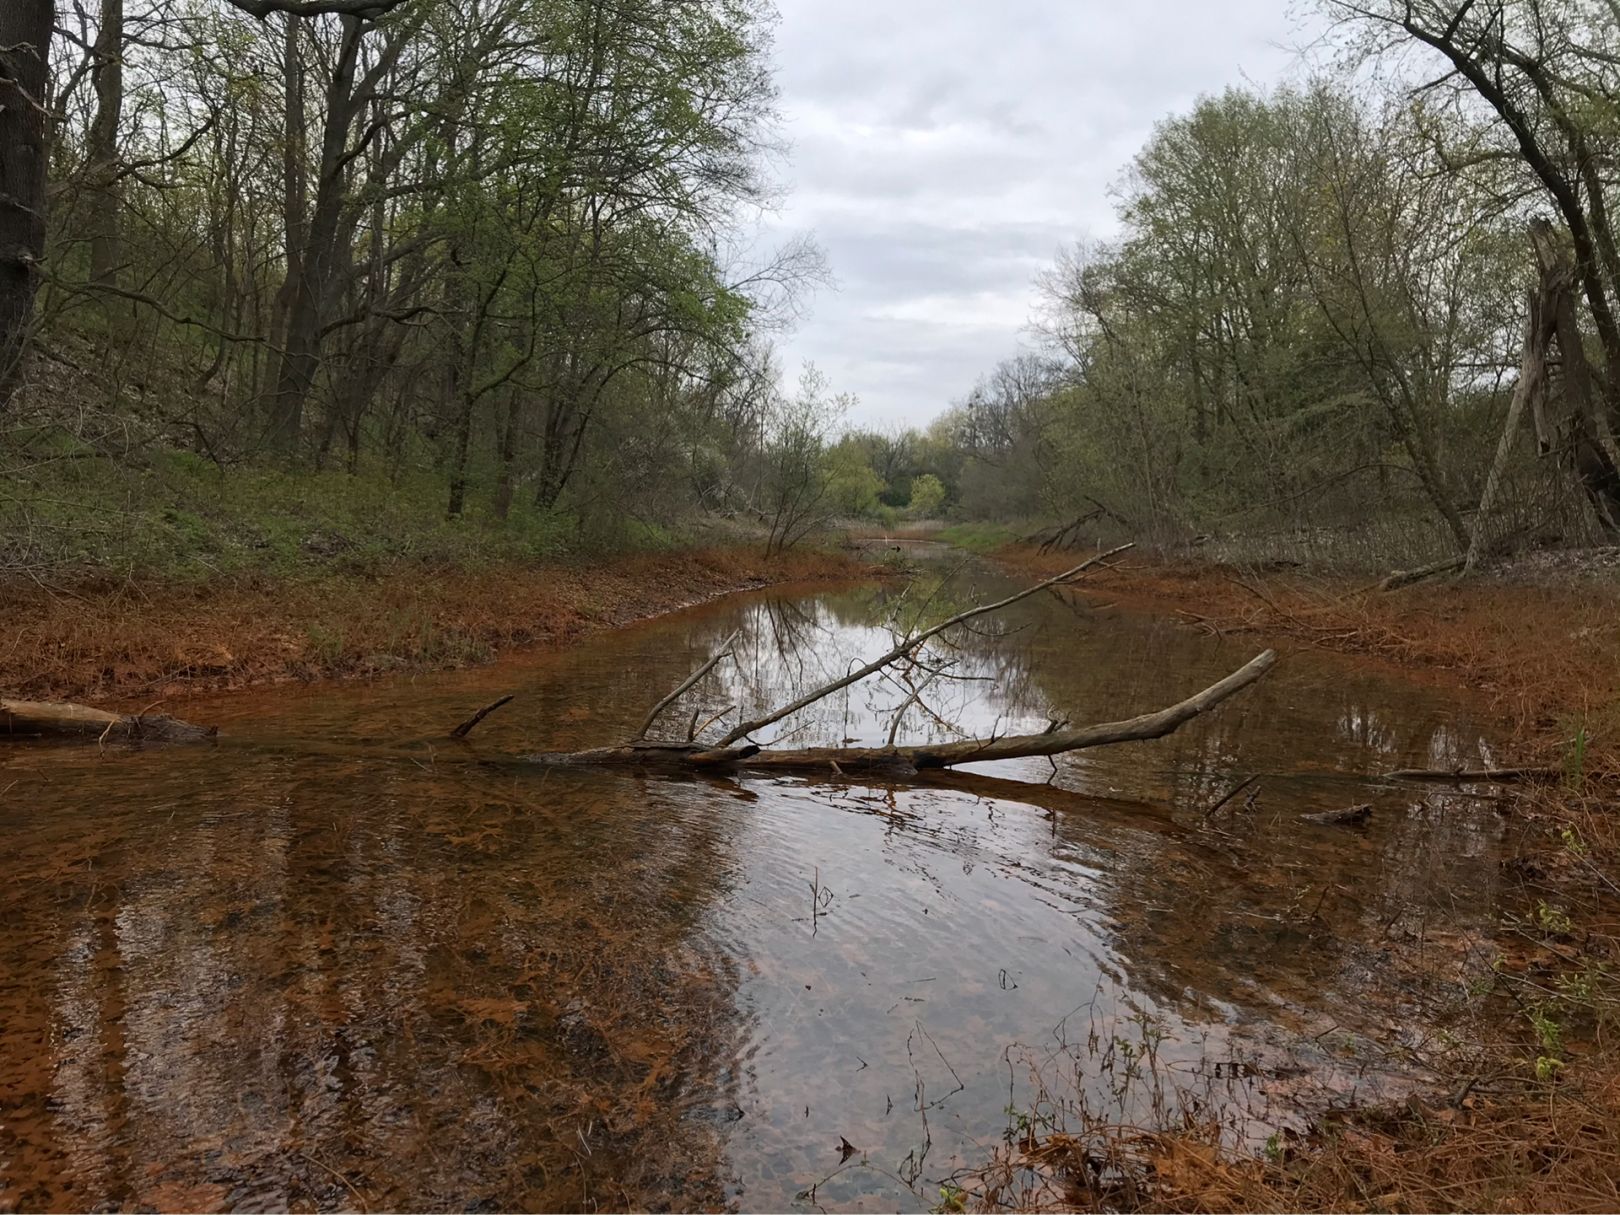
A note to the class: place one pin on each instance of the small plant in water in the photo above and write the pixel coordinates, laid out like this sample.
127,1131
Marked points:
952,1199
1552,919
1575,756
1573,841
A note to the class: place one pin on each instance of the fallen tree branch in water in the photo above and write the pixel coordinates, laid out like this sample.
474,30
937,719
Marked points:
690,681
1482,776
733,751
61,719
465,727
904,760
907,647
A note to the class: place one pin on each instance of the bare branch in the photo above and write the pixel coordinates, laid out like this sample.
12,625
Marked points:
907,647
691,680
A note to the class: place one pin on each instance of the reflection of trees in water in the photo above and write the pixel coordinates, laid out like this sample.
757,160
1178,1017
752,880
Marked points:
1228,914
416,983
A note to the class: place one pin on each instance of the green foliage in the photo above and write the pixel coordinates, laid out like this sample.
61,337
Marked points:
181,517
927,496
1285,341
853,486
522,306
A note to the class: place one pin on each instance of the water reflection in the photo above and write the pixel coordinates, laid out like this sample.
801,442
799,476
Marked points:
260,977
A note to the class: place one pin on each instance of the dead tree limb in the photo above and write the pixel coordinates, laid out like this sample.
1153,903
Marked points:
1243,784
59,719
908,646
1480,776
1400,578
690,681
465,727
901,760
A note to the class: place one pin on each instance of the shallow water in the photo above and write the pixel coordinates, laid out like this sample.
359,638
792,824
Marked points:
340,961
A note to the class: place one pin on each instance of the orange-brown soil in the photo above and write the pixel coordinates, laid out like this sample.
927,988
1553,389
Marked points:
136,641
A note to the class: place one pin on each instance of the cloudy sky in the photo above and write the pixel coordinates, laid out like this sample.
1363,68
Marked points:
943,151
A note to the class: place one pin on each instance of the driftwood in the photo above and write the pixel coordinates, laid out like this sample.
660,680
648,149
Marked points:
690,681
901,760
1209,811
1399,578
59,719
735,749
909,647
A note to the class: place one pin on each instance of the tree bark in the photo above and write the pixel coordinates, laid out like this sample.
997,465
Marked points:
1576,435
101,152
25,36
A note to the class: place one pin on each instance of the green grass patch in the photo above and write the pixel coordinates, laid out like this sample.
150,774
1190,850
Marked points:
978,537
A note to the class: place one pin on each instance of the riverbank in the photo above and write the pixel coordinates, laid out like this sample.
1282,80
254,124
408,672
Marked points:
1530,1120
1544,651
128,641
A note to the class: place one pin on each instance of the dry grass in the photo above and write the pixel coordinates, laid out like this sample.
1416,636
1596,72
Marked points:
136,639
1541,1152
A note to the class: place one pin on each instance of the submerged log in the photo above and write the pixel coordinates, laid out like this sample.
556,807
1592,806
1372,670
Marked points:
1353,816
1478,776
60,719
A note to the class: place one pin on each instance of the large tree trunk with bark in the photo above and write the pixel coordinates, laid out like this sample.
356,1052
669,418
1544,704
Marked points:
25,36
1575,433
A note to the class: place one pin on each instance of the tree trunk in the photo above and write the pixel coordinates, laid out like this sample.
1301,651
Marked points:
1577,434
309,282
101,151
507,455
25,35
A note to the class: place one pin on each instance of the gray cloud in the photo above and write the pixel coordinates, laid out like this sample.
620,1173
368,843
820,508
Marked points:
944,151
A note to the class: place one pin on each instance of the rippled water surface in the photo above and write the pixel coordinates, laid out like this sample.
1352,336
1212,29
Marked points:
338,960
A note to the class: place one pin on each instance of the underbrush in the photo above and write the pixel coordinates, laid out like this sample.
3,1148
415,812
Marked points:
176,515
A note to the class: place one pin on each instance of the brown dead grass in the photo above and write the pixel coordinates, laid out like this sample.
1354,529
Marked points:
126,641
1527,1153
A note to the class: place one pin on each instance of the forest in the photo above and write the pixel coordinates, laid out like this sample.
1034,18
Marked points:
491,261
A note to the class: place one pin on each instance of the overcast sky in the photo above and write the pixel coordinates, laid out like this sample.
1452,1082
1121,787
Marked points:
943,151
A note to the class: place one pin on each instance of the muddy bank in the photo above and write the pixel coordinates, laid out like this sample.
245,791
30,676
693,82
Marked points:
138,640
